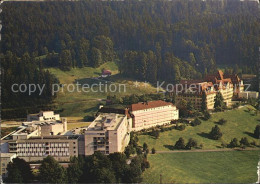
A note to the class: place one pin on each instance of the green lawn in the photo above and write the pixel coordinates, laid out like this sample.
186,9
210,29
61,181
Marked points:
83,104
207,167
240,123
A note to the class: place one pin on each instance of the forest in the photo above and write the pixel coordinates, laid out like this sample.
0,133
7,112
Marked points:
149,40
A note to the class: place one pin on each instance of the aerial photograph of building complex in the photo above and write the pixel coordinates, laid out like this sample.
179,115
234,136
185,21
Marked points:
130,91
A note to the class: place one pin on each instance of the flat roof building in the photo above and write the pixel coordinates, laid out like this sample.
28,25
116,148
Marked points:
37,148
43,116
108,133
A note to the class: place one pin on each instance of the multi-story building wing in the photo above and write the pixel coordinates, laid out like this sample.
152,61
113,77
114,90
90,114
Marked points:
37,148
108,133
191,91
153,113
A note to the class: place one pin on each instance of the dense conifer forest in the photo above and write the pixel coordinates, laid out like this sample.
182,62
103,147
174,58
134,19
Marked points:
149,40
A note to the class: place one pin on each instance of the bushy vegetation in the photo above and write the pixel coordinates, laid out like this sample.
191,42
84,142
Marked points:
222,121
180,144
219,104
234,143
27,71
155,41
19,171
196,122
257,132
207,115
215,133
134,98
96,168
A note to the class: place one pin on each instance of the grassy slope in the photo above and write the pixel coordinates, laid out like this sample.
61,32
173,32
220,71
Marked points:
239,124
210,167
86,103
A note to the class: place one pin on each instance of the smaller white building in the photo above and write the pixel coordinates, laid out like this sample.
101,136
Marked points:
43,116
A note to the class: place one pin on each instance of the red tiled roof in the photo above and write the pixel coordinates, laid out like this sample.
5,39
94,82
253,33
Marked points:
234,77
148,105
106,72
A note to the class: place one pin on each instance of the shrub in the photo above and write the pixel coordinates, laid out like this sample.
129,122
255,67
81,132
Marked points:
244,142
145,147
139,151
153,151
233,143
191,143
196,122
215,133
201,146
147,151
180,144
253,143
180,127
207,115
224,145
222,121
257,132
235,106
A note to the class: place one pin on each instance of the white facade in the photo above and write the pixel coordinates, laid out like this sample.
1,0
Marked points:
149,117
37,148
108,133
43,116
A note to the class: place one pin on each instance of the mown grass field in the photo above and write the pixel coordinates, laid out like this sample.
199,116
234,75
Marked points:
240,123
205,167
83,104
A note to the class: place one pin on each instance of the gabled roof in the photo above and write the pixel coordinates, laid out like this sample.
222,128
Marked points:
148,105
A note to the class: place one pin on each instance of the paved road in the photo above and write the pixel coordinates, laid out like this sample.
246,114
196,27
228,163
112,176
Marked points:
209,150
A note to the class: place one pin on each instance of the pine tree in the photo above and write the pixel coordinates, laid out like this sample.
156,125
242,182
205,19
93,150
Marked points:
215,133
180,144
51,171
257,131
96,57
219,104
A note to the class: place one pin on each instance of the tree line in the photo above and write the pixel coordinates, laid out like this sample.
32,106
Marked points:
96,168
153,39
149,40
24,71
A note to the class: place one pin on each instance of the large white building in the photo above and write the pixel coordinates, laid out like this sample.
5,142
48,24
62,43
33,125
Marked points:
108,133
153,113
38,138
